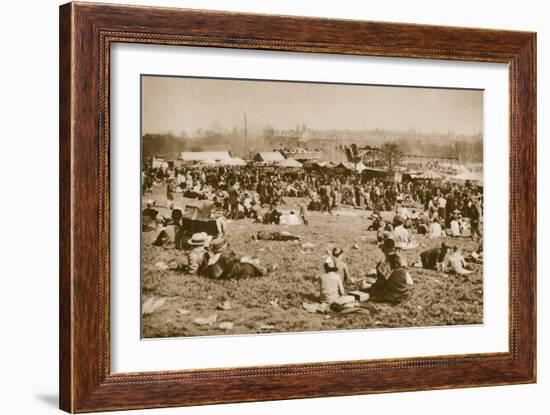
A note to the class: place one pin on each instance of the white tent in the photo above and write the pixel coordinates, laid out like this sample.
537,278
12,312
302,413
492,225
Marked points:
467,176
289,163
235,161
202,156
269,157
429,175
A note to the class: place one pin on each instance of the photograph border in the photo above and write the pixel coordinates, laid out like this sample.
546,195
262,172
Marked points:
86,33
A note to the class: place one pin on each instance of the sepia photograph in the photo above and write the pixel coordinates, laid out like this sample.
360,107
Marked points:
277,206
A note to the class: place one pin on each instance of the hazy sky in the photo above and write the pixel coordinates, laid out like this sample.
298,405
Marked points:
177,104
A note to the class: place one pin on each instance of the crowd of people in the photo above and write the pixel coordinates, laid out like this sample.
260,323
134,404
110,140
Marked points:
433,209
325,188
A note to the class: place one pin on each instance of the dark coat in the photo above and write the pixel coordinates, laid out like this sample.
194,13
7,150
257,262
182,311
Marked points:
432,257
392,290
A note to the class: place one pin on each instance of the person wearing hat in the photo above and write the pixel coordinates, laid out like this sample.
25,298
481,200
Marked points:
331,286
196,257
383,269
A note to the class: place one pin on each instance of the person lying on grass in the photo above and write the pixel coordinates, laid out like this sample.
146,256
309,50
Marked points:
223,262
275,236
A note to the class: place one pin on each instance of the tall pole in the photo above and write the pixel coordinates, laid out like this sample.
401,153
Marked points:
245,137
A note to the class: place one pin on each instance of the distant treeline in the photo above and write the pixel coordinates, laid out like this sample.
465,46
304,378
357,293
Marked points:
466,148
170,145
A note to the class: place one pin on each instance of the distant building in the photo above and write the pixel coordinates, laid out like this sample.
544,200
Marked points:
414,162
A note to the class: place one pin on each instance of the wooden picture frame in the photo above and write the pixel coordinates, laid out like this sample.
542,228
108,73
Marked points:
86,33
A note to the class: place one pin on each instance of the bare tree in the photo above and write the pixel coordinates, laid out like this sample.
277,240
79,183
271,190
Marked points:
393,154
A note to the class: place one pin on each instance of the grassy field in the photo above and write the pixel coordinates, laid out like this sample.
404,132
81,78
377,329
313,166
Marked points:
274,303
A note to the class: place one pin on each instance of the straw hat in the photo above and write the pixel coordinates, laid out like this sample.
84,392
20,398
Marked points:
198,239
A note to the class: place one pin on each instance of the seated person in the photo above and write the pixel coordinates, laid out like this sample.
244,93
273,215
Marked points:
376,221
394,288
386,233
477,255
380,231
456,263
149,217
172,233
465,228
397,220
247,204
383,267
435,229
423,223
293,219
273,216
331,287
434,258
402,238
256,212
315,204
455,228
403,212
